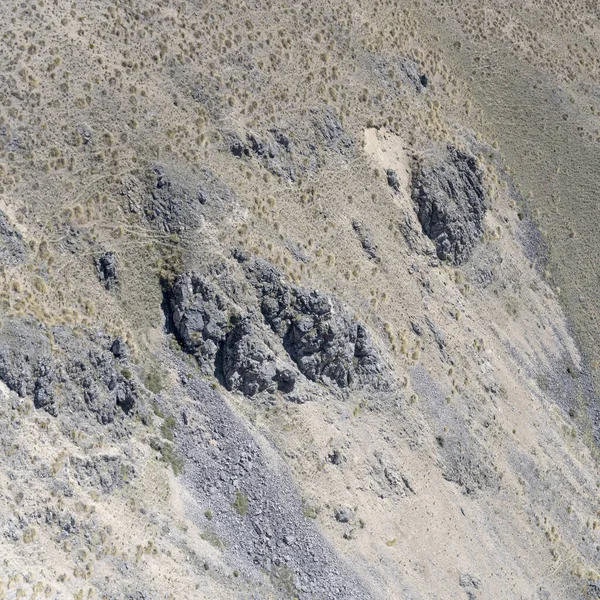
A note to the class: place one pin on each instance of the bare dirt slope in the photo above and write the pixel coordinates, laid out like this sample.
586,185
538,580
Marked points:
299,301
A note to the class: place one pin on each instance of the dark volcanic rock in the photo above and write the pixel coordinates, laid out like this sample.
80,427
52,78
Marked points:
88,376
449,200
230,338
200,319
209,326
12,248
326,344
106,266
248,365
365,238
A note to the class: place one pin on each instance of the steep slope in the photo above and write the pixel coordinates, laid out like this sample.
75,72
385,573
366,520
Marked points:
277,320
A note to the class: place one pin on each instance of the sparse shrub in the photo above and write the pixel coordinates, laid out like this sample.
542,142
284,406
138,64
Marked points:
240,504
167,428
153,380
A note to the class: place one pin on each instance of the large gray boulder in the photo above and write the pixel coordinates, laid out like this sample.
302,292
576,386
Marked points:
319,335
449,199
248,364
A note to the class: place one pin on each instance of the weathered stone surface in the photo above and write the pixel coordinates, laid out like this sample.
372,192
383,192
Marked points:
175,202
326,344
248,365
210,326
231,340
392,179
470,584
449,200
106,265
12,247
366,240
104,472
328,125
469,467
412,73
274,148
87,374
200,319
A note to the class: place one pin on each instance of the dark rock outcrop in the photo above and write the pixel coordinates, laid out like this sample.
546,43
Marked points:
12,247
200,319
210,326
230,338
328,125
411,73
449,200
392,179
366,240
104,472
175,202
88,376
326,344
249,365
274,149
106,265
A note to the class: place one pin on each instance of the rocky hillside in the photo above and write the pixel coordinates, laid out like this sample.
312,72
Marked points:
298,301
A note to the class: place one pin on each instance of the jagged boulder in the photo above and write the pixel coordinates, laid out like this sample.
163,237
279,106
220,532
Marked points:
326,343
223,338
12,247
106,266
449,199
248,364
200,319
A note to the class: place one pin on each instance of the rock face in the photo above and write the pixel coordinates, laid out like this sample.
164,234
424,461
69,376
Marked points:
199,314
313,331
12,248
326,344
366,240
392,179
290,155
329,126
412,73
274,149
106,265
210,326
174,202
104,472
449,200
248,364
87,375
